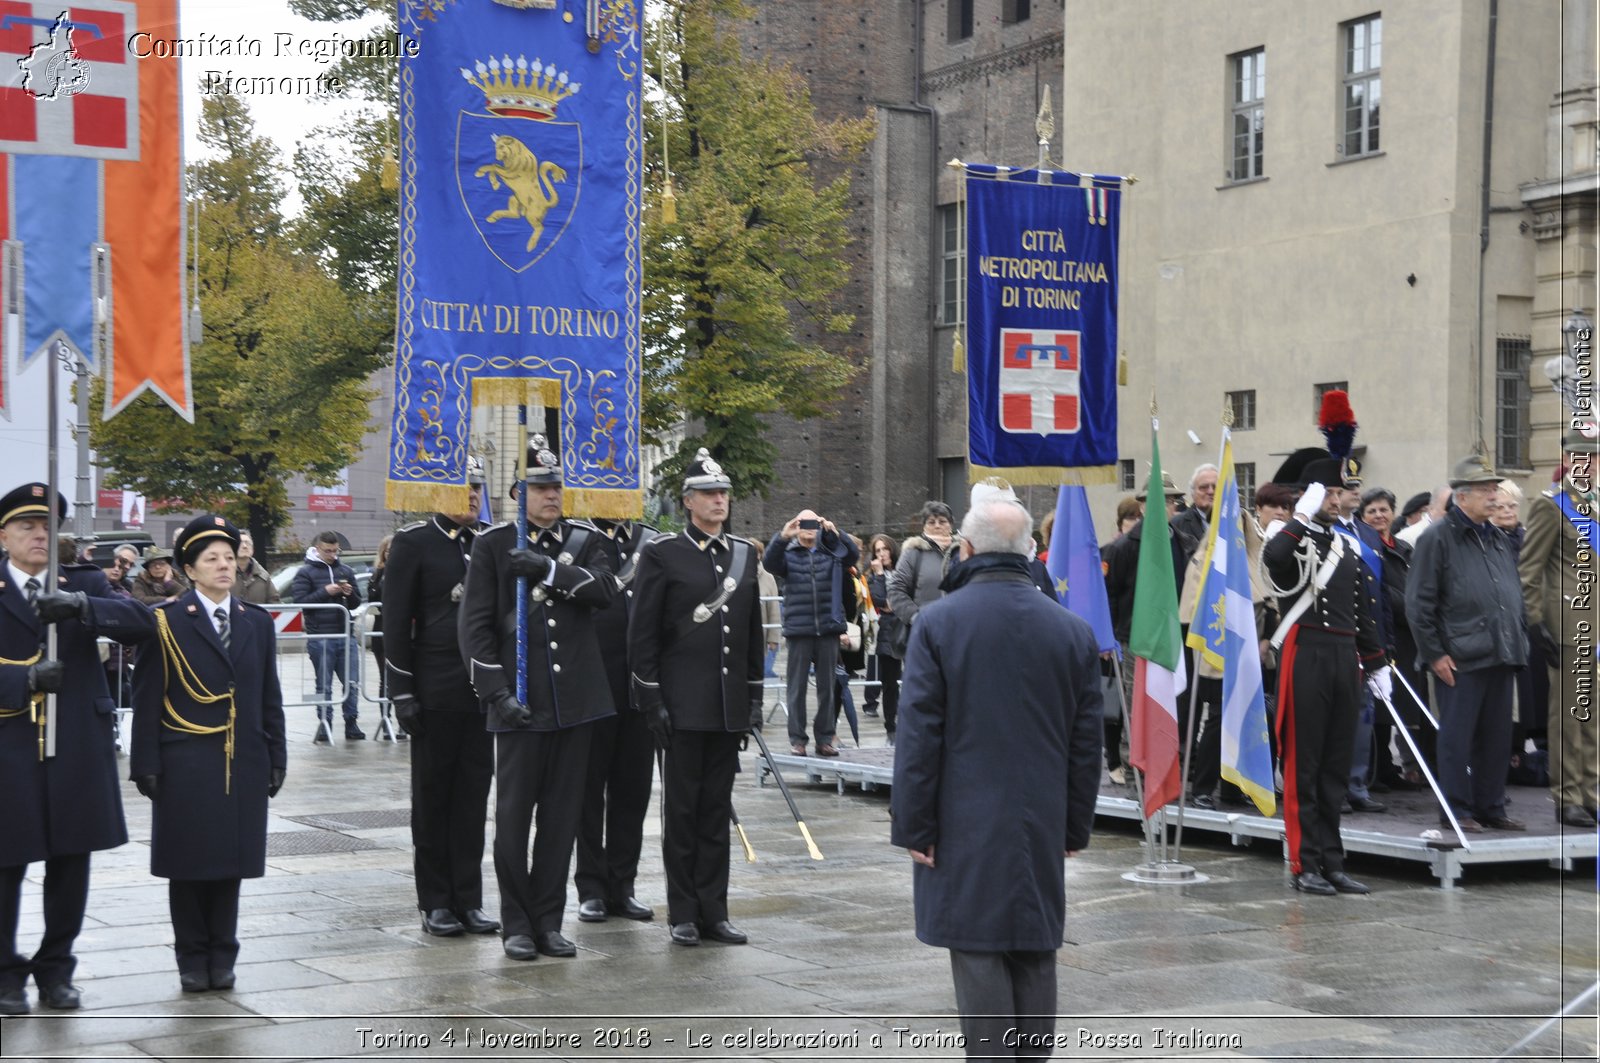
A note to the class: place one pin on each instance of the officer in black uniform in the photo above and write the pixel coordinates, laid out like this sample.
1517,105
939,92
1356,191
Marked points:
541,747
611,832
1333,639
695,650
208,750
452,755
58,809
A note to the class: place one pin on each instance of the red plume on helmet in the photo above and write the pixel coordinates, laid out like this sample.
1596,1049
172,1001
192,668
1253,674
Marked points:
1337,422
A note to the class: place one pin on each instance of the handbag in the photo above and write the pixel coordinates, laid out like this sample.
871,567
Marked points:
851,639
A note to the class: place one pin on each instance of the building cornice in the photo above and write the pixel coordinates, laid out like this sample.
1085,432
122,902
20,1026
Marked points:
1021,55
1558,187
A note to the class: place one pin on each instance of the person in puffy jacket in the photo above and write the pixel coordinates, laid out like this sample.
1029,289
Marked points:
810,557
325,580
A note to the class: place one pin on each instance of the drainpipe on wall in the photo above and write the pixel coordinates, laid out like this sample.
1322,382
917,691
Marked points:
1483,233
935,479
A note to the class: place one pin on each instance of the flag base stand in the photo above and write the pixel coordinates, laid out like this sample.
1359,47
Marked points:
1165,873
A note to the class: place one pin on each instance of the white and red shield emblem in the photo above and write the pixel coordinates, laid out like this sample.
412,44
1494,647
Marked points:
1039,372
68,82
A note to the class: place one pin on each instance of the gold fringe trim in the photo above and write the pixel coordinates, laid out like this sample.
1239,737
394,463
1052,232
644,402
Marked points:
515,391
426,498
1264,798
1047,475
608,502
958,350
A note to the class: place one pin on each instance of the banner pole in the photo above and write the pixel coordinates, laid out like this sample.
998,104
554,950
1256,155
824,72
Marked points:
52,578
522,544
1138,783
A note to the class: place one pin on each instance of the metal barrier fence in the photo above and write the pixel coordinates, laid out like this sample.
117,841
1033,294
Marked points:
289,623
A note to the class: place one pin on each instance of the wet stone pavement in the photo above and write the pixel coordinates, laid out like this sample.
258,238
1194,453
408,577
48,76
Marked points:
334,964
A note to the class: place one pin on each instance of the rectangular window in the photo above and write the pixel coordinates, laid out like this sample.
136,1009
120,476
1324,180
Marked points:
1245,471
1249,114
1125,475
1512,394
1244,410
953,273
1319,390
1015,10
1363,85
960,24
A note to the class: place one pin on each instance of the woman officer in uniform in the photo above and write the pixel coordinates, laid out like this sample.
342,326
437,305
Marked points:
208,750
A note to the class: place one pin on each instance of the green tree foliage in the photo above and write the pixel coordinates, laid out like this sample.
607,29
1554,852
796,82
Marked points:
755,259
279,381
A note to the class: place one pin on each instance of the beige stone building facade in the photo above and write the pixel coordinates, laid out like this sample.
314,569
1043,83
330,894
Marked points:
1340,193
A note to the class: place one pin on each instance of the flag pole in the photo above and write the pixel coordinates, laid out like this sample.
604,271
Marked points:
1188,756
522,544
52,578
1138,784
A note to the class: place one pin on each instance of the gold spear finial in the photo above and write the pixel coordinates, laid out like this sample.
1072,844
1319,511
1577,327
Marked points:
1044,123
1227,411
1152,402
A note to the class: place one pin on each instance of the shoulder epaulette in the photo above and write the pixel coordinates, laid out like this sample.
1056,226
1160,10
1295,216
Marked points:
413,526
579,522
757,543
494,527
252,605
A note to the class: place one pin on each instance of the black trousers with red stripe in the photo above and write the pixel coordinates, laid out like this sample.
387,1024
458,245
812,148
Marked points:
1319,702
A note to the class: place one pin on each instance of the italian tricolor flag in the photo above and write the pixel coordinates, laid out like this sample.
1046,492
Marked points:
1156,644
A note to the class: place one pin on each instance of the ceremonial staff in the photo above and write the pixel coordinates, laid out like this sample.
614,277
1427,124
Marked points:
816,854
522,544
744,839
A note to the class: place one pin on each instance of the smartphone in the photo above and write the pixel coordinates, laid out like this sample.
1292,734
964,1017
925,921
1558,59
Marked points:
810,525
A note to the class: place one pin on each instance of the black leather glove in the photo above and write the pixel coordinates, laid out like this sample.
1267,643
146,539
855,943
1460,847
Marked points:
274,782
529,563
660,724
149,785
408,713
46,677
756,717
55,606
506,713
1545,640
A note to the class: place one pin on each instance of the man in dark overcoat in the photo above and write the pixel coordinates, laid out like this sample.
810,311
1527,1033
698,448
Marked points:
995,777
208,750
621,762
695,649
542,746
57,809
452,755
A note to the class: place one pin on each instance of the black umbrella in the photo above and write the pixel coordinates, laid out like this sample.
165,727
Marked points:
842,679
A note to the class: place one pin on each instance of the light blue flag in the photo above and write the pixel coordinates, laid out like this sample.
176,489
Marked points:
1226,599
1074,565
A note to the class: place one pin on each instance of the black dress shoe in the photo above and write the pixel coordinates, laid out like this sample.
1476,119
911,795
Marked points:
520,947
685,934
592,911
223,979
353,733
1342,882
1311,882
629,908
724,932
1367,804
441,923
1503,823
1575,816
61,996
551,943
194,981
14,1002
477,921
1205,801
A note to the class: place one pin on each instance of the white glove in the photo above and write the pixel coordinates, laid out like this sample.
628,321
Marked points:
1381,683
1273,528
1310,503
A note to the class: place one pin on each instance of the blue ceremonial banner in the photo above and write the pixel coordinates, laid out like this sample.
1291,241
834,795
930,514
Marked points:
1042,326
1074,565
520,168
